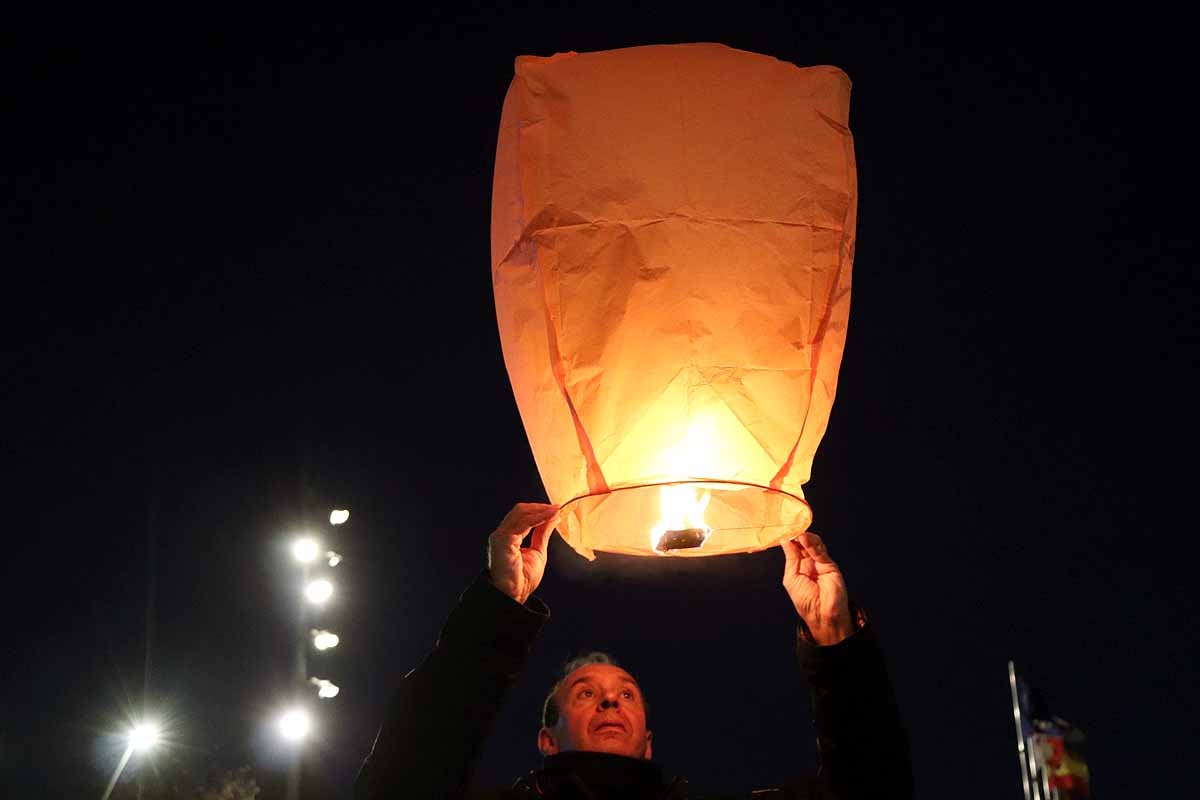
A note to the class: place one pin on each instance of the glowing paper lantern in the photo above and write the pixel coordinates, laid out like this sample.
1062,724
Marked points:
672,240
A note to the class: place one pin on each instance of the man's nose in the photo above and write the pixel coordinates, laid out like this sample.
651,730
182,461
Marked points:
609,700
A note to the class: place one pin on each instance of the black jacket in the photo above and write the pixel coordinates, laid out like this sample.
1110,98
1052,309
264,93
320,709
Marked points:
435,725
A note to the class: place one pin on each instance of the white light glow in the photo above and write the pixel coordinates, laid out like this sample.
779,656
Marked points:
338,516
318,591
323,640
325,689
295,724
334,558
143,737
305,550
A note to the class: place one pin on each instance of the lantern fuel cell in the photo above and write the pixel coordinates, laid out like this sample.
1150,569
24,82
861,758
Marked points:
685,539
673,232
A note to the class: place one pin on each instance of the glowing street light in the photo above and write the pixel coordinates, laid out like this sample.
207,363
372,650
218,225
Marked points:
324,640
295,725
325,689
338,516
305,550
334,558
140,738
144,737
318,592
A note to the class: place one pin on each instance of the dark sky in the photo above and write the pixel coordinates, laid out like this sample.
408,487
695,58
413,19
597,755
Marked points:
246,280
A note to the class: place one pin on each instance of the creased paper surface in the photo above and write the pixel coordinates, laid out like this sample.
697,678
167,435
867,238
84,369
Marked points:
672,242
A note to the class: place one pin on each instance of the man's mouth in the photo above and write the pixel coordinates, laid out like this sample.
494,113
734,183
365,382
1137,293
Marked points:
609,726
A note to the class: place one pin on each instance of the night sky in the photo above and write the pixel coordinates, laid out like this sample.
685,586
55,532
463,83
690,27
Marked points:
246,280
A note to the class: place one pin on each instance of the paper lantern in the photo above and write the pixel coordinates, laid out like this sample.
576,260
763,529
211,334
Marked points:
672,240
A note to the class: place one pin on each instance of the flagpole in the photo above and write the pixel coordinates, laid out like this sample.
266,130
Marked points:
1016,706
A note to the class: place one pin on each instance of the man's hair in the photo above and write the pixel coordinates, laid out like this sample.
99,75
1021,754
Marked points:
550,711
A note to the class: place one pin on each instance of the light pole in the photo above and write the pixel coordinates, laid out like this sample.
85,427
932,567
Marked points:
296,724
140,738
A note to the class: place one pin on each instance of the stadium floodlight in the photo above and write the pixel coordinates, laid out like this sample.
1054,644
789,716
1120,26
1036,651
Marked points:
324,640
334,558
325,689
294,724
338,516
306,549
318,592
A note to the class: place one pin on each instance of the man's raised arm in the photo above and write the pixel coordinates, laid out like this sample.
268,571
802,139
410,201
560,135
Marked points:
862,745
443,710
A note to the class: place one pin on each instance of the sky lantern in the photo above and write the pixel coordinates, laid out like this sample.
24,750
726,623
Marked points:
672,242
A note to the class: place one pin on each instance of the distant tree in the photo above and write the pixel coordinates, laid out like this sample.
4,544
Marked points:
238,784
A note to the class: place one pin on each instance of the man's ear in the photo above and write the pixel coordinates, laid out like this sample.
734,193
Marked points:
547,744
649,738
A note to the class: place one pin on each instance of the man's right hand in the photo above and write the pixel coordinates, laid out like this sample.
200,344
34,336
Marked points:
517,570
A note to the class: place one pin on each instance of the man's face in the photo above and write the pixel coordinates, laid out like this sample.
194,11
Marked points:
600,709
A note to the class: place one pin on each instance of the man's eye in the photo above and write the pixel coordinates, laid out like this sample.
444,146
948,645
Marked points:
628,695
585,693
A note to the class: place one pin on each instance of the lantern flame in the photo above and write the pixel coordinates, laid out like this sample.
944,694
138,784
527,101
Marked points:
682,523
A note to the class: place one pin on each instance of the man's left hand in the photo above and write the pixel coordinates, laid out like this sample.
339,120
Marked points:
817,588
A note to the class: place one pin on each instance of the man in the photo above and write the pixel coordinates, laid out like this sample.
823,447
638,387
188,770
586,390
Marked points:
595,736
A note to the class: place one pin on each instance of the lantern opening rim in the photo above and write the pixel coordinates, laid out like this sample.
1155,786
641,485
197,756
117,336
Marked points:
693,481
748,517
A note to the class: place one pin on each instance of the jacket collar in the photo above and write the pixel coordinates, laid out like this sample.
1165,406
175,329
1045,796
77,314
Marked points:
600,775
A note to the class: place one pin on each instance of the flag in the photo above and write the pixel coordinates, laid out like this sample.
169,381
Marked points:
1060,747
1053,748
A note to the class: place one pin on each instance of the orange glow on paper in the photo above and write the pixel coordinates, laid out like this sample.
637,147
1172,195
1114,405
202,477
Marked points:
672,242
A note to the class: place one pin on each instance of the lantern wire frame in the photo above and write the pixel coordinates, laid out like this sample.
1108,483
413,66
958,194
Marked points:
750,532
